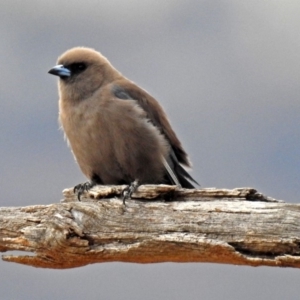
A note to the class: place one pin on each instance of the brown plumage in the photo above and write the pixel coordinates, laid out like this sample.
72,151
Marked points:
117,131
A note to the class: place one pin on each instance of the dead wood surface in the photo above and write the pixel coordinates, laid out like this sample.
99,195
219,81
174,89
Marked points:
160,224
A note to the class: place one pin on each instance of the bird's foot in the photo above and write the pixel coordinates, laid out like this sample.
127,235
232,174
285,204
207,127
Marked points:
80,188
129,190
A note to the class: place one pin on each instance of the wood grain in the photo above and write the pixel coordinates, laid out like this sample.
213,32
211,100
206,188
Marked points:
160,224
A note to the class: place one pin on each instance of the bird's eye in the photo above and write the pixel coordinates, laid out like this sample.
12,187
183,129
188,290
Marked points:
77,67
81,66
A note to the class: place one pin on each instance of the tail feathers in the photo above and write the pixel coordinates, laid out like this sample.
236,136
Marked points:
184,177
177,175
172,176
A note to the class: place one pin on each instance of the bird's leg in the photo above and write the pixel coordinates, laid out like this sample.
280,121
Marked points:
80,188
129,190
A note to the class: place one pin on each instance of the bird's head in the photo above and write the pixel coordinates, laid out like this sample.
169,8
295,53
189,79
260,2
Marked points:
82,71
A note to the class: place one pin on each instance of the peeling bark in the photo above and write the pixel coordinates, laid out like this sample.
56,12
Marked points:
159,224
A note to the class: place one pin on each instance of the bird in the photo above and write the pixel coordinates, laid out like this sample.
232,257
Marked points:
118,133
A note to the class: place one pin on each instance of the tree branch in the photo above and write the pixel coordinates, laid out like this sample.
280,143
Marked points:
164,224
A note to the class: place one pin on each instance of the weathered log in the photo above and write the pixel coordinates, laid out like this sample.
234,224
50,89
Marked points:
160,224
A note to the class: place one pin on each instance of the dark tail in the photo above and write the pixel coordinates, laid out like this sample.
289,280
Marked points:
174,169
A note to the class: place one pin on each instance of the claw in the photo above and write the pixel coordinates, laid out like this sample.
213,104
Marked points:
80,188
129,190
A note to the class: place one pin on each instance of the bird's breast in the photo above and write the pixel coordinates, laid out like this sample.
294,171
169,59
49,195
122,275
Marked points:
87,132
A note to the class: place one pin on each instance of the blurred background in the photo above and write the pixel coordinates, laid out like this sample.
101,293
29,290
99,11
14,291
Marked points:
227,74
